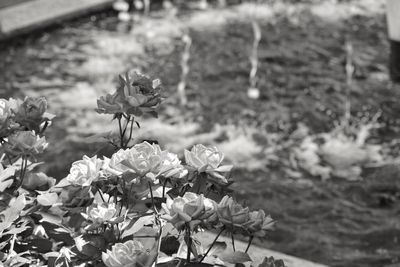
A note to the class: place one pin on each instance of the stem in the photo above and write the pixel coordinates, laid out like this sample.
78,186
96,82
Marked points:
164,185
24,164
121,133
233,242
12,246
131,131
249,244
126,125
188,243
46,123
152,199
212,244
101,194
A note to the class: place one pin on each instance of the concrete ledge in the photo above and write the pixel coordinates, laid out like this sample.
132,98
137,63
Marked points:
37,13
258,253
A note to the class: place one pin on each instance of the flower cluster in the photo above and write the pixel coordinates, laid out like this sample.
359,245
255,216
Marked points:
116,210
136,94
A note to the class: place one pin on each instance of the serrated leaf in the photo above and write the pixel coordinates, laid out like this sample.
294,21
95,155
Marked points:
235,257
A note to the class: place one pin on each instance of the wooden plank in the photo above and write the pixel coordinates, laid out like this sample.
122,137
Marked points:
5,3
38,13
257,253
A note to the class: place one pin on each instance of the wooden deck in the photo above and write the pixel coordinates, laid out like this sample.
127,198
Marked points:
17,16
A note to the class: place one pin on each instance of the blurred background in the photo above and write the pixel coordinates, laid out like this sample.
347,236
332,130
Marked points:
297,94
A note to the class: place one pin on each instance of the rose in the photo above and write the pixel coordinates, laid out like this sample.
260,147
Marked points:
32,108
5,110
84,172
143,159
32,112
207,159
237,218
110,104
149,160
135,95
38,181
5,113
170,166
8,109
141,94
26,143
113,166
259,223
102,213
132,253
210,217
191,209
232,214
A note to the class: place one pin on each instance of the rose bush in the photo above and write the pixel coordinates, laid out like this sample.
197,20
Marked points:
121,210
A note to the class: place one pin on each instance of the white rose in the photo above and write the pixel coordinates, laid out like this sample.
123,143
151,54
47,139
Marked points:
207,159
84,172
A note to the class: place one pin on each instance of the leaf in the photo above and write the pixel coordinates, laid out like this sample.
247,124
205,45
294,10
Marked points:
47,199
50,218
218,248
235,257
169,245
40,245
5,174
12,212
137,225
90,246
13,230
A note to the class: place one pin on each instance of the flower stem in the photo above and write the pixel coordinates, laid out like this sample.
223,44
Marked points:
249,243
188,243
130,131
212,244
152,198
24,165
101,194
121,134
164,185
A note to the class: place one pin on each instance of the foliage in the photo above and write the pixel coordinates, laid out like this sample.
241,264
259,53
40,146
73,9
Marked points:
141,206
